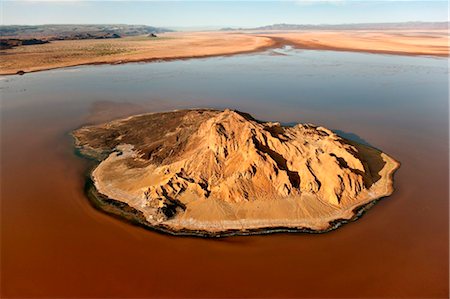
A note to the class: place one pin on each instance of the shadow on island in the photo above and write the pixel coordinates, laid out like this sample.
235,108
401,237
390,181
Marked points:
370,155
343,134
352,137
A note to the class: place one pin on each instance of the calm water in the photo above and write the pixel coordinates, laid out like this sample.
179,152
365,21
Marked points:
54,244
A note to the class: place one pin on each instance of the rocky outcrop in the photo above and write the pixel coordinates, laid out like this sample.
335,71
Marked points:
86,35
236,159
229,161
9,43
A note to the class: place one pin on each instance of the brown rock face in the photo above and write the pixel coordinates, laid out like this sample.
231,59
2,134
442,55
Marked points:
171,163
235,159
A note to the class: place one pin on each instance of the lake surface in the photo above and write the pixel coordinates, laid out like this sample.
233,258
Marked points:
55,244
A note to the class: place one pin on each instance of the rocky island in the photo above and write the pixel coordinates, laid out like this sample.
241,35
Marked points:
214,173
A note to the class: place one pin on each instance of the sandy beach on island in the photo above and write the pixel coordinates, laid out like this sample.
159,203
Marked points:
184,45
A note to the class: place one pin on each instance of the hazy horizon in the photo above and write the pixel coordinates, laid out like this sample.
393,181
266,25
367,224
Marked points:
214,15
179,27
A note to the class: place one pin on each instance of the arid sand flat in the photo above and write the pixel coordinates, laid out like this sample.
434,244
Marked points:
180,45
404,42
177,45
210,172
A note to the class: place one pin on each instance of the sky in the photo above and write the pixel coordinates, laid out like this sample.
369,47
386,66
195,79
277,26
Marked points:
217,14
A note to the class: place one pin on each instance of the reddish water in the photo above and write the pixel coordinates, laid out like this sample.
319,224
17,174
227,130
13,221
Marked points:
54,244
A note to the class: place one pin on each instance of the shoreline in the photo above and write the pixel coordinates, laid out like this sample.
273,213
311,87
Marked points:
275,43
322,47
366,51
123,212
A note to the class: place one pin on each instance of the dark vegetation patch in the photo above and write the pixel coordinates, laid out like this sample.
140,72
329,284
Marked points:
9,43
158,137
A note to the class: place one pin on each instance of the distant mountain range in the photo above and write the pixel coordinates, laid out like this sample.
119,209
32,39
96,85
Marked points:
363,26
41,31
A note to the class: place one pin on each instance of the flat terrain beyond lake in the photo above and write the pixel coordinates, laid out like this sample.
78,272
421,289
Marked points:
55,244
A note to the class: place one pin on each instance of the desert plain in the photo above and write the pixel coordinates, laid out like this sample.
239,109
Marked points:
184,45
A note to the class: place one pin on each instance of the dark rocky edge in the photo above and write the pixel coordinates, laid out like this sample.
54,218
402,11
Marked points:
129,214
124,212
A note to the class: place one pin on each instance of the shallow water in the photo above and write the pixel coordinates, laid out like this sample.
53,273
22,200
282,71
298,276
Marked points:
54,244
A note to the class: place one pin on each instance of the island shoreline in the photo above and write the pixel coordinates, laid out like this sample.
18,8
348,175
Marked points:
114,207
123,212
